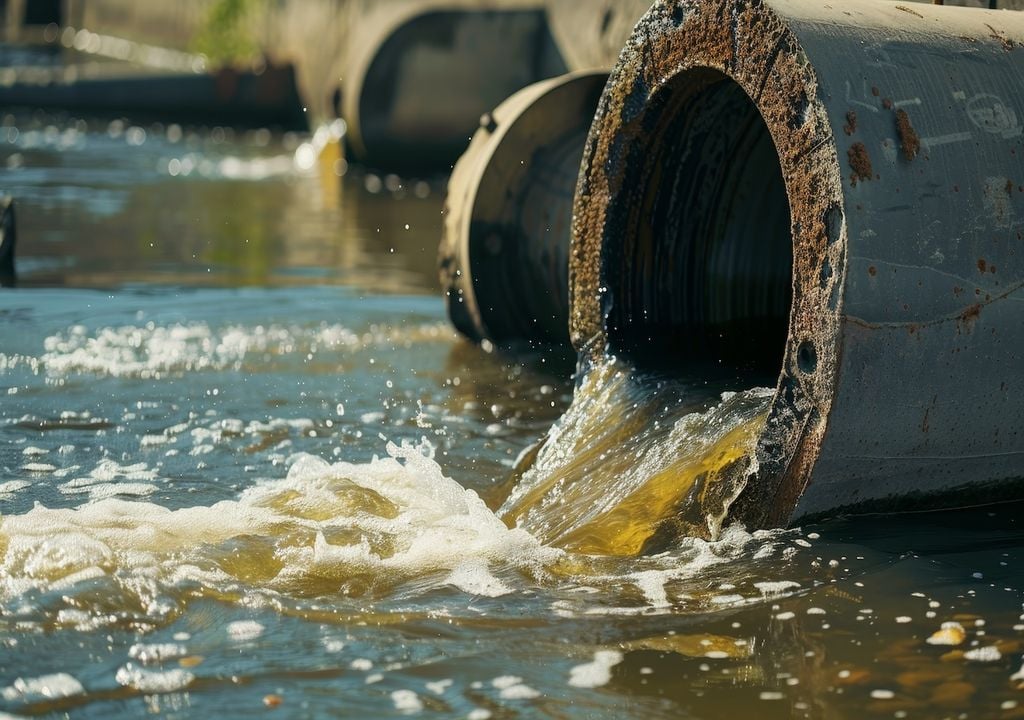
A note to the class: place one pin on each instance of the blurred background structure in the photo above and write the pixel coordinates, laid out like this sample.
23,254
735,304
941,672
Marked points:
410,77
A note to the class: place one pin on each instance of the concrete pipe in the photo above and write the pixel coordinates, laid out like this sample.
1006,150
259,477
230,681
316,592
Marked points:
504,253
418,77
591,34
832,196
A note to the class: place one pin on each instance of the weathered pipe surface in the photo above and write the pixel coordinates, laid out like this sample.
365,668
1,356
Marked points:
504,253
591,34
419,77
834,198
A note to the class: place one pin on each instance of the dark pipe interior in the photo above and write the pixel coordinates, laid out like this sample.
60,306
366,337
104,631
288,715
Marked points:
42,12
519,265
699,269
510,49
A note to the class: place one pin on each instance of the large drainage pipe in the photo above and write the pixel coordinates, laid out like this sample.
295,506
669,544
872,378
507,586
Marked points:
504,254
419,74
833,197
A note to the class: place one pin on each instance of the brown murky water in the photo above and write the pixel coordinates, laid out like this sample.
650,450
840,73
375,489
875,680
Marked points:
242,457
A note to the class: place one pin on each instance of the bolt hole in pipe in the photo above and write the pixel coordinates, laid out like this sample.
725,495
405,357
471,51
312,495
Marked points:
707,247
807,358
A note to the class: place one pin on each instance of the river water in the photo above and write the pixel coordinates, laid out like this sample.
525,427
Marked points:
246,466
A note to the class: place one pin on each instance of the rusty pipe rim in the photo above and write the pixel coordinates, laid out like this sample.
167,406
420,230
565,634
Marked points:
679,47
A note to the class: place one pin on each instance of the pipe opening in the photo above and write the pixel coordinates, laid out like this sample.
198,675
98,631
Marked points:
429,81
703,227
43,12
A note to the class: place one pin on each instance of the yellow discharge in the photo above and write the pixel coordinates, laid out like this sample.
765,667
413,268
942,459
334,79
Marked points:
630,468
702,645
633,465
628,527
596,423
328,159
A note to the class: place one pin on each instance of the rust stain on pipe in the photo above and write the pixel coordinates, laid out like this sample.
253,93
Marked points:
910,143
860,163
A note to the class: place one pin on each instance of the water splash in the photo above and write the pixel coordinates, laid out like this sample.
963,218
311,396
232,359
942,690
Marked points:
393,526
154,350
324,530
635,464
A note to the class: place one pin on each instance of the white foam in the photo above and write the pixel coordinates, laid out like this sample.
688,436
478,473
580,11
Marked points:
437,524
512,688
151,653
103,490
652,585
244,630
333,645
325,527
9,488
110,479
153,681
84,575
406,701
438,687
45,687
506,681
400,515
152,351
519,692
596,673
776,588
78,620
989,653
728,599
473,577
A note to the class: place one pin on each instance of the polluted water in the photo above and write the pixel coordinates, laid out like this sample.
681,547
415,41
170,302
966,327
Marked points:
248,467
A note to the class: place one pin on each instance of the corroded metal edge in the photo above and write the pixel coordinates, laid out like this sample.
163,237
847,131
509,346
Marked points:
751,44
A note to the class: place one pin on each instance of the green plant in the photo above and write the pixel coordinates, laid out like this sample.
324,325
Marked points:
226,35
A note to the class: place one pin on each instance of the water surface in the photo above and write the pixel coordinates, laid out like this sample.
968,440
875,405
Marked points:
246,466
